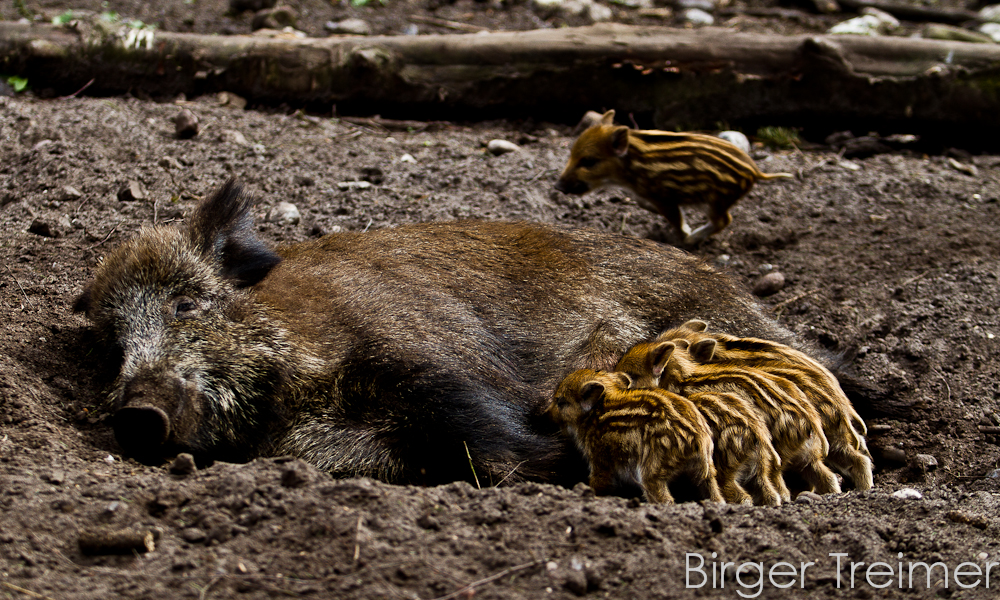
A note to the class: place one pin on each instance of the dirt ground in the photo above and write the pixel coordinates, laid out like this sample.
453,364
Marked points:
892,259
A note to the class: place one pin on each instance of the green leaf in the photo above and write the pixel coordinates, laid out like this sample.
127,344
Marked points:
18,83
64,18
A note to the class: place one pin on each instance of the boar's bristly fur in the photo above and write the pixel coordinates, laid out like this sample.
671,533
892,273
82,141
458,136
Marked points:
387,353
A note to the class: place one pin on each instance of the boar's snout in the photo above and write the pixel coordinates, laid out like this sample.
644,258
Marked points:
572,186
141,430
156,412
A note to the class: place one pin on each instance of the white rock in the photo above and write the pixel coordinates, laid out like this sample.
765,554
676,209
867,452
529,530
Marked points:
599,13
354,185
990,13
231,136
863,25
889,22
285,213
407,158
907,494
737,139
696,16
992,30
549,3
498,147
349,26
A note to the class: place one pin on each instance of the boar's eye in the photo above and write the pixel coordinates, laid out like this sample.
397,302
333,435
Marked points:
184,307
587,162
561,402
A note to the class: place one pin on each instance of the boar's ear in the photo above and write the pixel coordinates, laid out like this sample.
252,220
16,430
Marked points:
623,379
695,325
703,350
590,395
619,141
608,118
82,303
222,228
660,355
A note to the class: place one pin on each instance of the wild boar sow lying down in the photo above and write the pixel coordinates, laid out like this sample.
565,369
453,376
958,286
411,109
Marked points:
386,353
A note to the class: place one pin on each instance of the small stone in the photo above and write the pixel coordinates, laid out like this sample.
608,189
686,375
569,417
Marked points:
278,17
70,193
863,25
186,124
43,228
771,283
169,162
970,170
284,213
696,16
304,180
193,535
56,477
109,459
990,13
231,100
907,494
888,23
994,474
498,147
808,498
850,166
893,454
349,27
183,464
737,139
925,462
407,158
132,192
992,30
937,31
599,13
354,185
231,136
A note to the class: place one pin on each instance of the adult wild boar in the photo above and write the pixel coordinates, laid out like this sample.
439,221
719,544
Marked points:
388,354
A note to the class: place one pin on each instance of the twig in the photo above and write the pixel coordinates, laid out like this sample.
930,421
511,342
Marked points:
471,466
781,305
471,587
107,236
912,279
365,230
447,24
74,94
989,429
204,590
14,277
540,173
23,591
511,473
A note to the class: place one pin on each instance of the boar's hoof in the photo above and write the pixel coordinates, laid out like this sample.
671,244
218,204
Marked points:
141,430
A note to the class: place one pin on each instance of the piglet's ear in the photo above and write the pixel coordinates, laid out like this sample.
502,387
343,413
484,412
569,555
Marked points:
222,228
660,355
608,118
619,141
590,395
703,351
695,325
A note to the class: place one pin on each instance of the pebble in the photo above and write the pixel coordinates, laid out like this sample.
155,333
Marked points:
275,18
994,474
183,465
407,158
354,185
498,147
889,23
936,31
970,170
284,213
193,535
186,124
169,162
132,191
231,100
808,498
737,139
863,25
925,462
992,30
349,27
705,5
70,193
771,283
907,494
893,454
231,136
696,16
990,13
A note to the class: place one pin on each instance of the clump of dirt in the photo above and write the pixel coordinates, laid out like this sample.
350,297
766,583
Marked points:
890,260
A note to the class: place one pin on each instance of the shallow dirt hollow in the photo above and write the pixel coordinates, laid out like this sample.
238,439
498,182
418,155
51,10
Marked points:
892,260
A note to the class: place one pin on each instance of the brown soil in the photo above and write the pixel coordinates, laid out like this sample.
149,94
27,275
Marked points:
892,259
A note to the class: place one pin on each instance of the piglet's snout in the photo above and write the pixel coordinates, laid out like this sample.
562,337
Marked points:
154,411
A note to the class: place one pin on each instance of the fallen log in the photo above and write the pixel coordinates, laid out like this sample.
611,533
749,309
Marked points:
672,78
